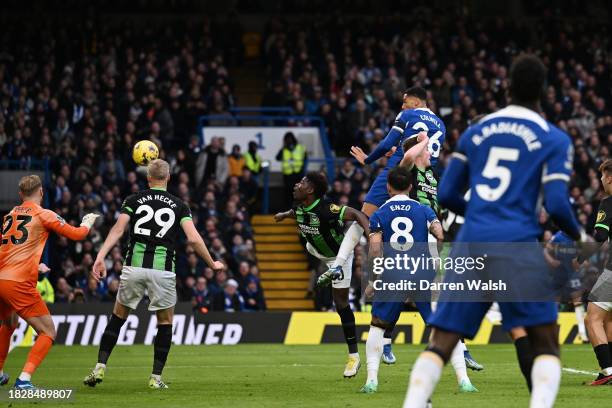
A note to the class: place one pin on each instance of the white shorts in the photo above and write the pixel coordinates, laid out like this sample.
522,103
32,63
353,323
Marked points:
347,268
135,282
607,306
601,293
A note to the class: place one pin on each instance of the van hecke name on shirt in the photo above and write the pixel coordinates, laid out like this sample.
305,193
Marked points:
157,197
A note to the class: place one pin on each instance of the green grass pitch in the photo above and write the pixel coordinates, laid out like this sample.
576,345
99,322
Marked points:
282,376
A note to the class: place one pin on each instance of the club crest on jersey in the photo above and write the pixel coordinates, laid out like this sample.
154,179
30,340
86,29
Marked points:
600,216
430,177
334,208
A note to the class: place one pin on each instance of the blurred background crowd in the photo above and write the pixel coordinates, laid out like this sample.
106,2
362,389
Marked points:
79,93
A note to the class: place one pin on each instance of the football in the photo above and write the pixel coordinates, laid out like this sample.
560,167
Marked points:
144,151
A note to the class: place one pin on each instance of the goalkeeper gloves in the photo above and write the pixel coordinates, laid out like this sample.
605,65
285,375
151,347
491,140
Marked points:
89,220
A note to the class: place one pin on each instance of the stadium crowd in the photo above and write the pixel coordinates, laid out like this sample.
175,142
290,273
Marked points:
353,73
80,95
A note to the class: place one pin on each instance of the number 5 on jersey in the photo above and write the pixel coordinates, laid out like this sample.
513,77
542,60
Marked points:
493,170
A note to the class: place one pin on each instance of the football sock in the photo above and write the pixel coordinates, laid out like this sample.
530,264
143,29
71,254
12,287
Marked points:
6,332
36,356
602,352
348,327
424,376
525,358
109,338
161,347
579,311
610,347
388,336
349,242
545,377
374,350
458,362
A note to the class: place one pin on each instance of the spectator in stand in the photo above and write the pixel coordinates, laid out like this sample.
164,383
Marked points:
236,162
253,159
202,297
43,286
253,296
63,294
212,164
293,158
228,300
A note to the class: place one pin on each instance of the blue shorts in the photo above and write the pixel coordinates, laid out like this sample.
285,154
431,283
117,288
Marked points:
566,280
378,193
465,317
389,312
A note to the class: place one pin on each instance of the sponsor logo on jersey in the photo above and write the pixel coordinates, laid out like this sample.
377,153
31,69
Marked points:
600,216
314,220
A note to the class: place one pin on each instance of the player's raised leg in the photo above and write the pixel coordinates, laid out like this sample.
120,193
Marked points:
161,347
107,343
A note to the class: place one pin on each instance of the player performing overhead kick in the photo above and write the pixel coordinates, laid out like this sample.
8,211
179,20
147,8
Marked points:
155,218
321,223
507,160
24,233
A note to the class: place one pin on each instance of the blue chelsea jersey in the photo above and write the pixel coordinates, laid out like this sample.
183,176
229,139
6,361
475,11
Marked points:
409,122
510,155
565,249
402,220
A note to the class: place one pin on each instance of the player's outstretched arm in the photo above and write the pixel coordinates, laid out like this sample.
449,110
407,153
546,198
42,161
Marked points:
195,239
57,224
411,154
278,217
351,214
392,139
114,235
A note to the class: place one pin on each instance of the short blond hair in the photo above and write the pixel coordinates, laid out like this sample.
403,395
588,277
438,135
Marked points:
158,169
28,185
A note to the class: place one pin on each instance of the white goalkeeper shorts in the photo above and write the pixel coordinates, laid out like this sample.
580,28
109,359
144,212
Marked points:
159,286
347,268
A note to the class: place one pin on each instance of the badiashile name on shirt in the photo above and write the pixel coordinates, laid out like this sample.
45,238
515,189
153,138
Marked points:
424,284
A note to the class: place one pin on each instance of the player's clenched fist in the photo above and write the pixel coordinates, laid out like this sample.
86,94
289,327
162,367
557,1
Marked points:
218,266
